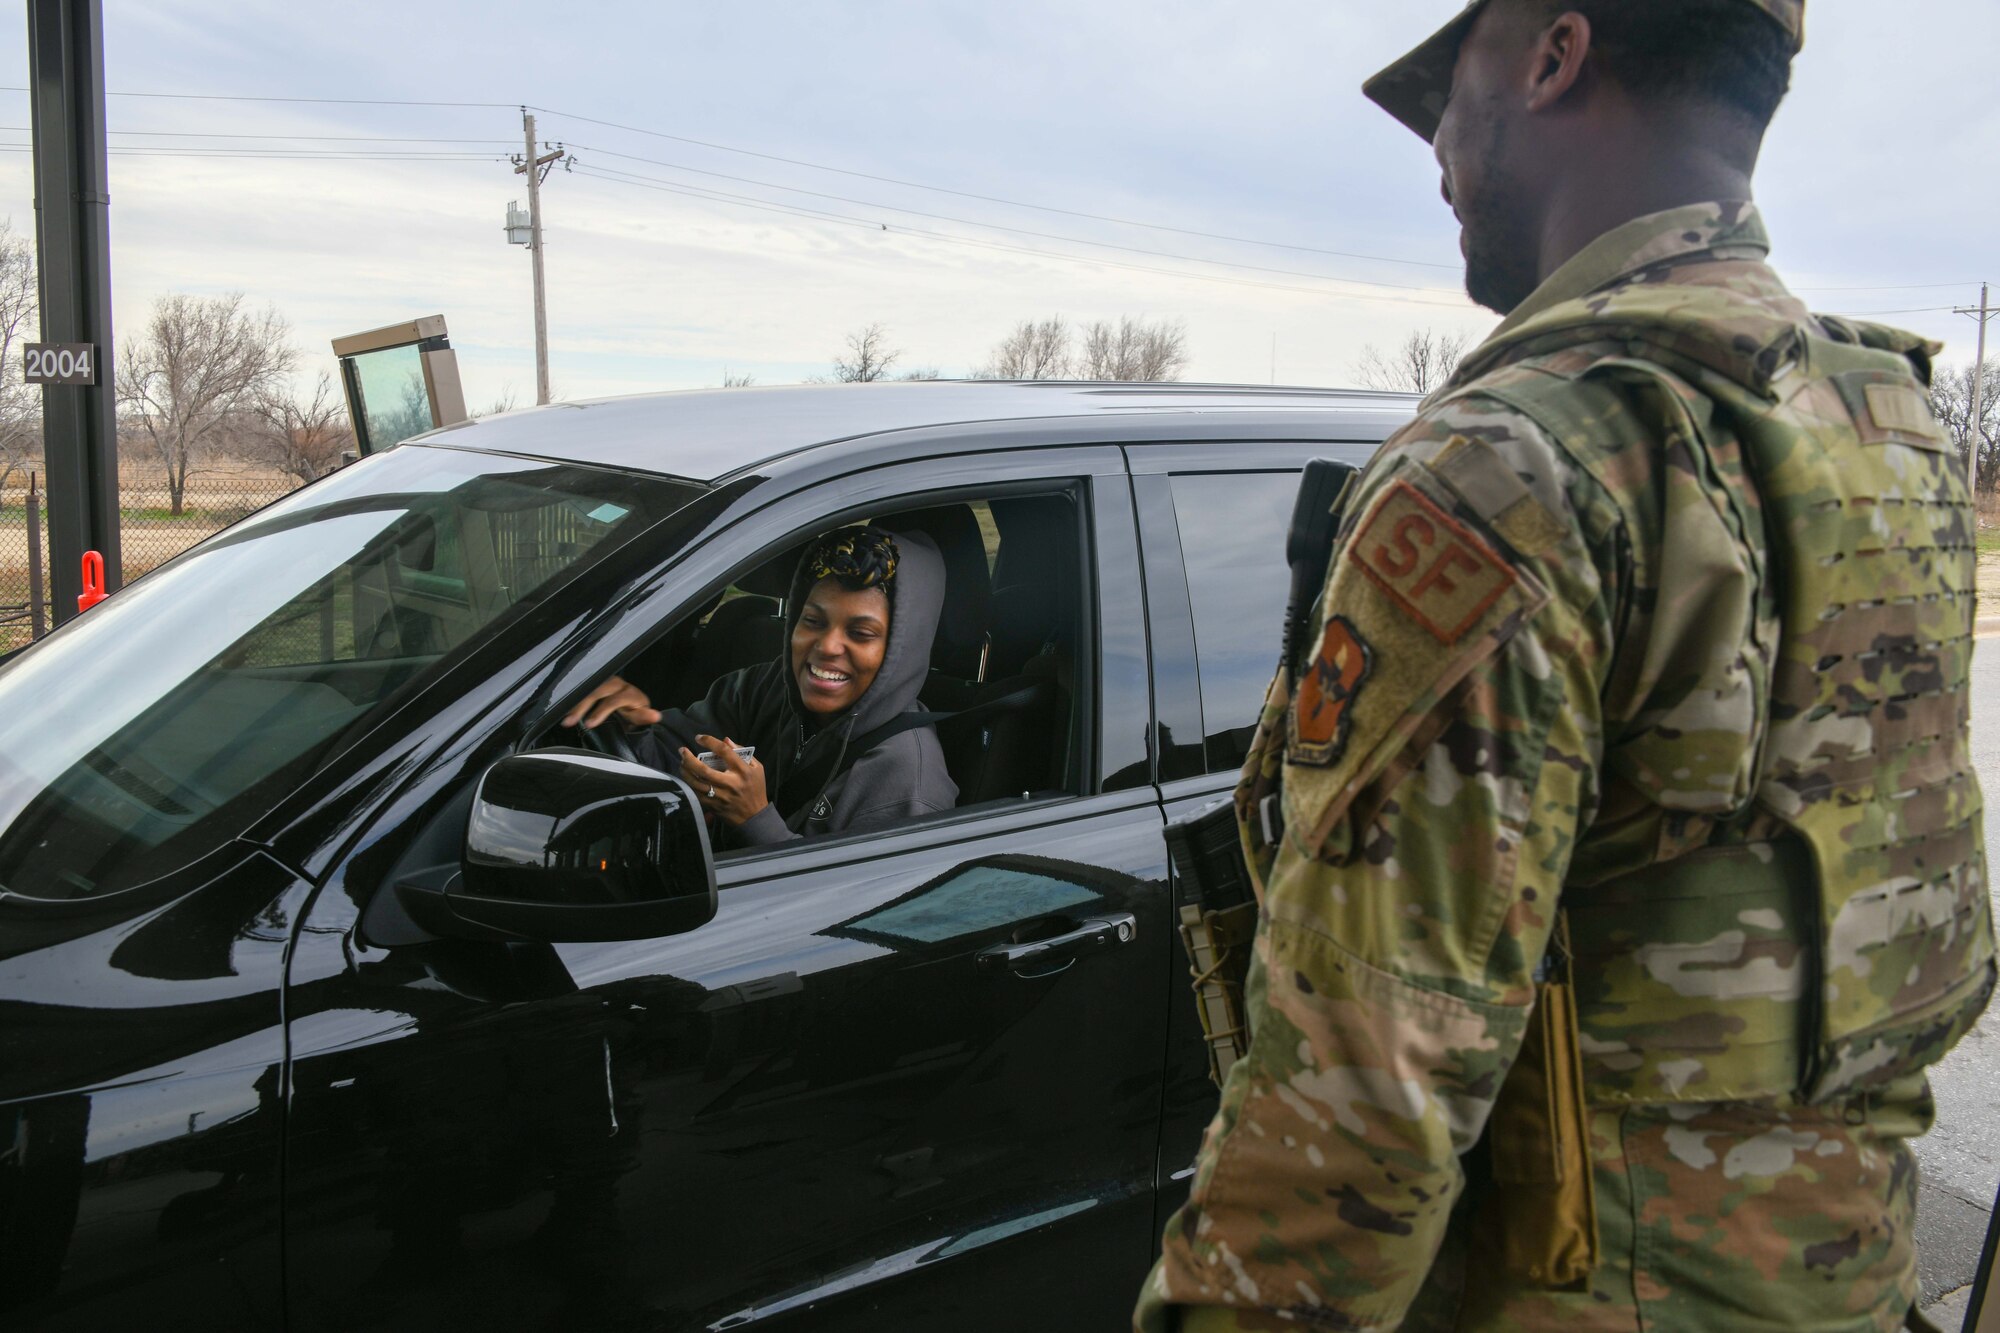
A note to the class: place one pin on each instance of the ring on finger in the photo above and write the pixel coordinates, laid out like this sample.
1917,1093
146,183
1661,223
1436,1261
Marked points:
711,793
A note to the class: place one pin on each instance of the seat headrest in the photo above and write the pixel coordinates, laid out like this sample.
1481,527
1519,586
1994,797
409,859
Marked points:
773,578
1036,533
954,528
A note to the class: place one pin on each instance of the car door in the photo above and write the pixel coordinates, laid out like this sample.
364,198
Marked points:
1212,524
903,1080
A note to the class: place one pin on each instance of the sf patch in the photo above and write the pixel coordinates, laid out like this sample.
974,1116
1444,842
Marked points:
1322,712
1429,563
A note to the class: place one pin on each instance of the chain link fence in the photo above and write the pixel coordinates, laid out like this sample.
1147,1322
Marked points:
152,528
24,558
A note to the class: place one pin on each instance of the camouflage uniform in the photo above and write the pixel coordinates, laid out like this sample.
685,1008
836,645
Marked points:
1647,610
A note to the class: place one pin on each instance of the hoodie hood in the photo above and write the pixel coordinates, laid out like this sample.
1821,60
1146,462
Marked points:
916,600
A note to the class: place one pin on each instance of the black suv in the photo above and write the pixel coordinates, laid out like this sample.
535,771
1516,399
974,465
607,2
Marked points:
342,987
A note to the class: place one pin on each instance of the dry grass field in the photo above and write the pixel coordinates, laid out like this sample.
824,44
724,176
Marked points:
219,496
150,533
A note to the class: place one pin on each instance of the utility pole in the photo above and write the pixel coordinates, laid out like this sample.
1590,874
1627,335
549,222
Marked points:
535,168
1982,314
73,257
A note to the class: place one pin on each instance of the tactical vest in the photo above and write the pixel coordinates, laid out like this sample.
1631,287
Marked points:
1847,901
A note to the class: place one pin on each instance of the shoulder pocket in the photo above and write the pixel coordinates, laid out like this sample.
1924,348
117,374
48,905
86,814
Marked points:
1421,592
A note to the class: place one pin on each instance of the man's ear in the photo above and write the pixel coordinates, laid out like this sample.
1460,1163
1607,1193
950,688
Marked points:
1555,60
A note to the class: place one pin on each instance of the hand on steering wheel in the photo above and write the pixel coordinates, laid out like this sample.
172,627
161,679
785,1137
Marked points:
615,697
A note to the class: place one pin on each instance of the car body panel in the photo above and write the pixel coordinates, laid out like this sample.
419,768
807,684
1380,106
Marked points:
797,1115
714,434
141,1056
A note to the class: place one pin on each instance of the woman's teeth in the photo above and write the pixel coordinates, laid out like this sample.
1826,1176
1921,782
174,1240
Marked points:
830,676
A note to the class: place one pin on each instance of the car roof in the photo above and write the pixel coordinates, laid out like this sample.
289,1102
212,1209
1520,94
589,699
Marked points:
712,434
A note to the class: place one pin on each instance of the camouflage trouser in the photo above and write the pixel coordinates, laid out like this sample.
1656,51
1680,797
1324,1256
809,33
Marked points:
1726,1217
1718,1218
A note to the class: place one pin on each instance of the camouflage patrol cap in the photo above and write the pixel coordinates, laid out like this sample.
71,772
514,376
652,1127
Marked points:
1414,89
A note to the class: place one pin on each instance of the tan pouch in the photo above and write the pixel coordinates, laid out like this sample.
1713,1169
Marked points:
1542,1211
1218,947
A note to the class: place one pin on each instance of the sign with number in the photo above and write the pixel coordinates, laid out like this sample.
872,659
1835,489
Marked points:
60,363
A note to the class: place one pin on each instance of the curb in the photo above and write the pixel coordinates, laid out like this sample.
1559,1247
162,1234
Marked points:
1949,1310
1986,627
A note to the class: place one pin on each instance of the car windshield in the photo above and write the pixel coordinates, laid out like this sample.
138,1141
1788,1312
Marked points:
162,724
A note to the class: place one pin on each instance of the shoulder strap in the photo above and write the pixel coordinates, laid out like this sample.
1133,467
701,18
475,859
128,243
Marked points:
806,784
1323,492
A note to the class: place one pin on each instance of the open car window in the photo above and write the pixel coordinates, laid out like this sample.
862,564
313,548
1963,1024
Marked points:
1007,655
162,724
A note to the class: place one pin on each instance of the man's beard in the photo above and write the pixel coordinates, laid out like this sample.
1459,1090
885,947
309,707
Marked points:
1497,272
1502,254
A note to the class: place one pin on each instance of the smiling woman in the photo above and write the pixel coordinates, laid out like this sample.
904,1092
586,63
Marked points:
819,718
842,633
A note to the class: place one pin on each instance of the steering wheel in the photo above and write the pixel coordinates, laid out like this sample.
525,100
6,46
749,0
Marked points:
608,737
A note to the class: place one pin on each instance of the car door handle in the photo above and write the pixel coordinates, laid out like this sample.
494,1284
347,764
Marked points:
1038,958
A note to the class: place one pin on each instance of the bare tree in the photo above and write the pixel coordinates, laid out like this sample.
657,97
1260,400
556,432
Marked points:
1036,349
408,414
504,401
921,373
736,379
1951,403
301,434
868,358
20,405
199,361
1418,364
1133,349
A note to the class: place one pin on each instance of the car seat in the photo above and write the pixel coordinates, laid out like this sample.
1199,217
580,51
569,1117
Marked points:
962,646
1001,751
1037,609
1034,580
748,629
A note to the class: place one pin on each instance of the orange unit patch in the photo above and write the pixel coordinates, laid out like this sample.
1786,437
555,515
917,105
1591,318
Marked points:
1429,563
1322,711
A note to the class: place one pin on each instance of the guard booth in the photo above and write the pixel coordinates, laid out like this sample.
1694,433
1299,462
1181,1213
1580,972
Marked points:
400,380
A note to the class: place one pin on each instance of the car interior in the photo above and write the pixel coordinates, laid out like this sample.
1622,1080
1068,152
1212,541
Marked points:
1004,662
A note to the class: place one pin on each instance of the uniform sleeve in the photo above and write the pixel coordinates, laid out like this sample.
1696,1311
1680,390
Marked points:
1443,753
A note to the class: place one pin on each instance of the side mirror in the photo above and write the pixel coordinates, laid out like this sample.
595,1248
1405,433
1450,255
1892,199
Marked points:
568,846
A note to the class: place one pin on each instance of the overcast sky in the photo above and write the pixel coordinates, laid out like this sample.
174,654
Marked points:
1240,120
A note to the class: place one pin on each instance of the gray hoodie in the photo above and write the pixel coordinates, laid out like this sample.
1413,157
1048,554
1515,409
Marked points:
902,778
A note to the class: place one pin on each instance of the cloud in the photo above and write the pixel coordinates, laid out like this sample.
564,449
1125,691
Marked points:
1207,118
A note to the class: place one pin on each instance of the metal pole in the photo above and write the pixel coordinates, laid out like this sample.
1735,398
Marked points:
1978,404
73,250
535,250
37,595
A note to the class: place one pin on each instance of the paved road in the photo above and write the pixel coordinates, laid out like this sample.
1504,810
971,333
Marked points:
1961,1157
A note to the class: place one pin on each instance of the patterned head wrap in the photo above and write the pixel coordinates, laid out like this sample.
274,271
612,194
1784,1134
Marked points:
856,558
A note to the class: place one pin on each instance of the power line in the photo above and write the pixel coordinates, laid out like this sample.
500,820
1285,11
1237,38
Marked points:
1001,226
332,138
991,198
1891,287
863,175
1910,310
309,101
740,201
791,161
304,155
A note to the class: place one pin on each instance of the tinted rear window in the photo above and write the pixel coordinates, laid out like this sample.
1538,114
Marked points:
1232,528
